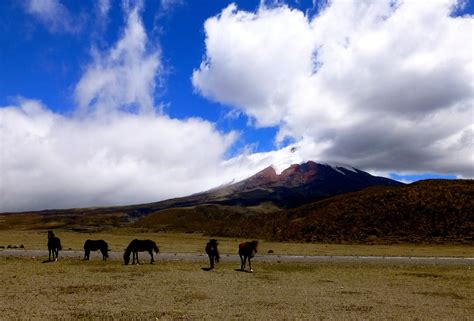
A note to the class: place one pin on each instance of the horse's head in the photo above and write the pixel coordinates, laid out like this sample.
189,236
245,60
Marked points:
254,245
50,234
213,242
126,258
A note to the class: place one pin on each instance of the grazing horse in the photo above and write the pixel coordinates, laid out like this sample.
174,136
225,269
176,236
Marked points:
247,250
136,246
54,245
212,252
94,245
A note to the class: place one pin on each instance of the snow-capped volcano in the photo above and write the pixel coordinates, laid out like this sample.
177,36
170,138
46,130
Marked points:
293,186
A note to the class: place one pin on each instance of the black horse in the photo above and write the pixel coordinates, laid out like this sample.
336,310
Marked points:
212,252
247,250
54,245
94,245
136,246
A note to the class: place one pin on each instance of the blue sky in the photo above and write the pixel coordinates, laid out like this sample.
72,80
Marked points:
225,88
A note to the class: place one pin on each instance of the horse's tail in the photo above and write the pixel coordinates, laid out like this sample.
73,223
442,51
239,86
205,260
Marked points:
59,245
217,256
156,248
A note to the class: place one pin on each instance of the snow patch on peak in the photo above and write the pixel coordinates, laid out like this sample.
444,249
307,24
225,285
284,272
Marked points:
281,165
337,167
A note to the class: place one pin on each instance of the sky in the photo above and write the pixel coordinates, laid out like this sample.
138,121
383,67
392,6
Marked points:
123,102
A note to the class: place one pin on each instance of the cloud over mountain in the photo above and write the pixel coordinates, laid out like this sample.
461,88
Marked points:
382,85
52,161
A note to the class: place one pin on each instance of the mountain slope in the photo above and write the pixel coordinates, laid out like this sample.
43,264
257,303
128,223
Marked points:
426,211
297,185
431,209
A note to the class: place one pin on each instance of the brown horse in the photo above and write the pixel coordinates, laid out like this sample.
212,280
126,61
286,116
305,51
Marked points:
212,252
136,246
247,250
94,245
54,245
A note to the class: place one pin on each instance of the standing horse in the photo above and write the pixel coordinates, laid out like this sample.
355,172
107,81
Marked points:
212,252
247,250
136,246
54,245
94,245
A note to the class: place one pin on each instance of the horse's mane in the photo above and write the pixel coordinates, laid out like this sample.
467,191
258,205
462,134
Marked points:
130,248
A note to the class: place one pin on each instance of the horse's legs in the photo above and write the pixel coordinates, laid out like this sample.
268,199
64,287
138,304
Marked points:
151,254
56,251
104,254
49,254
243,259
250,265
86,255
211,258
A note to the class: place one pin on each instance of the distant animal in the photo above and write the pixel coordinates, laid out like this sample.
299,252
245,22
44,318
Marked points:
247,250
212,252
94,245
54,245
136,246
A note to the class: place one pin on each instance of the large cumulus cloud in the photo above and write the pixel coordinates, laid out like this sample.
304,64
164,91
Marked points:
381,85
52,161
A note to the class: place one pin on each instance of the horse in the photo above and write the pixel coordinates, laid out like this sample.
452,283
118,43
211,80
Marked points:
54,245
247,250
136,246
94,245
212,252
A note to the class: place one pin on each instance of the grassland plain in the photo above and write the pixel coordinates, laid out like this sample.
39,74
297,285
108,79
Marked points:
178,290
181,290
119,238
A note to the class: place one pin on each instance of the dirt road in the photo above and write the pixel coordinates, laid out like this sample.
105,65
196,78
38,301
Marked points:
42,255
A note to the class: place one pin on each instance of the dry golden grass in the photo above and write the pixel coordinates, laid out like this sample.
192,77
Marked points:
73,289
118,239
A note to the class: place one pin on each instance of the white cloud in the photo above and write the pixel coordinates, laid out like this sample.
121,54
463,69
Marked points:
53,15
51,161
168,5
382,85
103,7
125,76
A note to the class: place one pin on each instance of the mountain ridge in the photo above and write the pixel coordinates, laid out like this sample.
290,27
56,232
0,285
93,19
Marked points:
296,185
